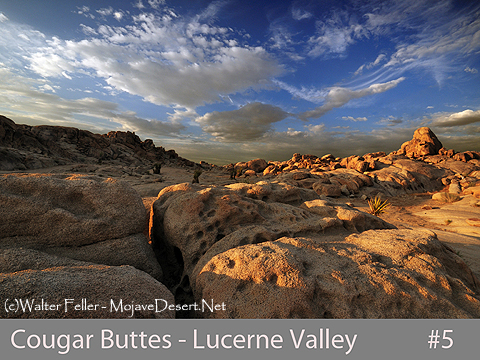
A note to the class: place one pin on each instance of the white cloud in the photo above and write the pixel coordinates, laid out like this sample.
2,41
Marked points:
438,37
351,118
309,94
139,5
85,11
87,30
155,3
380,58
333,37
471,70
300,14
163,59
118,15
30,100
461,118
3,18
249,123
338,96
440,45
105,11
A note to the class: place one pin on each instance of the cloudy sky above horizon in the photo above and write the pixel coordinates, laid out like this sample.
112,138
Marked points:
232,80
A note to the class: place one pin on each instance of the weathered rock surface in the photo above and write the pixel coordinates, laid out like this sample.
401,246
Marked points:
257,165
75,237
59,210
375,274
99,284
424,143
191,224
132,250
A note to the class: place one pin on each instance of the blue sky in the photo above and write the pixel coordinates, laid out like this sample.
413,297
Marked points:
233,80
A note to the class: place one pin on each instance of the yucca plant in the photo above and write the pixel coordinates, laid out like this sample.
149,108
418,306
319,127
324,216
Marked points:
377,206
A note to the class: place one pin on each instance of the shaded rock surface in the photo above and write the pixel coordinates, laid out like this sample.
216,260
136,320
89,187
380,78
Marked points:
32,147
99,284
61,210
64,237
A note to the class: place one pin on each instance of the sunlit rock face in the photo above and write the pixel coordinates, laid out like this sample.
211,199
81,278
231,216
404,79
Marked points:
309,258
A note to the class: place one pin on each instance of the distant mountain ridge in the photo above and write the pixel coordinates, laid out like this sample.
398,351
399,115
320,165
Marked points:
25,147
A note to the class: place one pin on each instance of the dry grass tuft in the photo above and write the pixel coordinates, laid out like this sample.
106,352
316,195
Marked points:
449,197
377,206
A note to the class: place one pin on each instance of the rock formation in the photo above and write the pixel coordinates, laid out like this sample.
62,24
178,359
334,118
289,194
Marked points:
275,243
41,277
375,274
33,147
74,236
270,250
424,143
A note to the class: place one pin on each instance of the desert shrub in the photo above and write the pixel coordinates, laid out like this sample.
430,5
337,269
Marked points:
196,175
156,168
377,206
449,197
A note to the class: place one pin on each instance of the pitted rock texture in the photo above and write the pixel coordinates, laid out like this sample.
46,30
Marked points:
191,224
375,274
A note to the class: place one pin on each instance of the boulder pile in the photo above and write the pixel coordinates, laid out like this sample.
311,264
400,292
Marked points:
420,165
270,242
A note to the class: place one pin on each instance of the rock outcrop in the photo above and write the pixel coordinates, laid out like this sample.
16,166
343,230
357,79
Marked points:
33,147
424,143
64,237
267,257
47,279
421,165
375,274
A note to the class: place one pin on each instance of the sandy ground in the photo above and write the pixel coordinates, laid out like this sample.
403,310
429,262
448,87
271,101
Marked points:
456,224
448,221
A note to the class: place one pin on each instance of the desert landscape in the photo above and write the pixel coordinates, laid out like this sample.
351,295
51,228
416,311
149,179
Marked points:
102,217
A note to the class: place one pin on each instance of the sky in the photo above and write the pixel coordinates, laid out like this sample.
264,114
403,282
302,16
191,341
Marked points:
232,80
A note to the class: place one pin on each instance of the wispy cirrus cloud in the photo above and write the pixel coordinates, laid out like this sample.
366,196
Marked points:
300,14
438,36
339,96
351,118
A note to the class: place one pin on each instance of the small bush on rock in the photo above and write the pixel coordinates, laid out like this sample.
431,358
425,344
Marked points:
196,175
